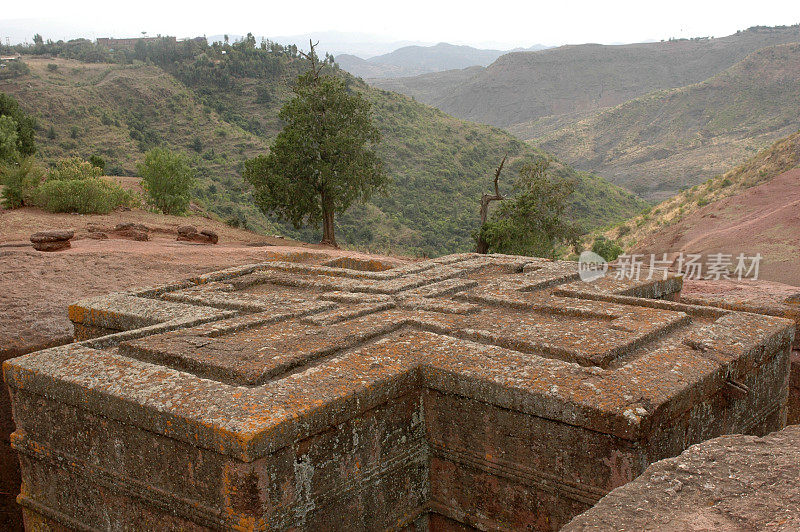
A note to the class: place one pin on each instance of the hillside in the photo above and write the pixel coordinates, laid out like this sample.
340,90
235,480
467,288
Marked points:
668,140
754,208
524,86
120,111
222,108
413,60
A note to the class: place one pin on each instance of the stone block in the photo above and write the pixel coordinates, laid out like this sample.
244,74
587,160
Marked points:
733,482
761,297
188,233
493,392
51,240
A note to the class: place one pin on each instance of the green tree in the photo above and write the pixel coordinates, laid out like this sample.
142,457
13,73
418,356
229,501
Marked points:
606,248
98,162
8,138
323,159
168,180
534,221
26,125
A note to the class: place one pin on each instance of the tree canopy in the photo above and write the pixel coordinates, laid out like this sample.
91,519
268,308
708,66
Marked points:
25,125
168,180
323,159
534,221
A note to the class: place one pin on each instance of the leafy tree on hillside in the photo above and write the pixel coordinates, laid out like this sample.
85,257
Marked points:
8,138
323,159
168,180
606,248
25,124
534,221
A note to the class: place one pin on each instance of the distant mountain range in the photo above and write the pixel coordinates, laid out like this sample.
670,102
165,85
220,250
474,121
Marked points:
652,117
582,79
337,42
660,143
414,60
439,165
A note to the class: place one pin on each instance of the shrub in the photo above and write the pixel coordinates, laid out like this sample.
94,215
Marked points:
52,67
51,133
702,202
92,195
19,178
25,124
116,170
8,138
97,162
73,169
14,69
168,180
74,185
606,248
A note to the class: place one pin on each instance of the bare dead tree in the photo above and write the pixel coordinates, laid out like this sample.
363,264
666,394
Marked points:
316,68
483,246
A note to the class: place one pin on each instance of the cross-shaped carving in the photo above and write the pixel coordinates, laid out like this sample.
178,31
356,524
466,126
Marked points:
492,391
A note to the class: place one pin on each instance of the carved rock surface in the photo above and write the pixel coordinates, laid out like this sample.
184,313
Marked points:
761,297
727,483
494,392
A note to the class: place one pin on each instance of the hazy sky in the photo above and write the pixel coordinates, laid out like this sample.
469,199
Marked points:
496,23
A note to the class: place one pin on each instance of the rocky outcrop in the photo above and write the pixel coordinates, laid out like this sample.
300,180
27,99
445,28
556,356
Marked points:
727,483
51,240
132,231
189,233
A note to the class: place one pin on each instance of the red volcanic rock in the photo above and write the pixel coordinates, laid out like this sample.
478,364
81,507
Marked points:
492,392
132,231
188,233
51,240
210,235
130,225
187,230
728,483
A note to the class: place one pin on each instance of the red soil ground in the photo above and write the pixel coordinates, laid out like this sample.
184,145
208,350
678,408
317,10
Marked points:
763,219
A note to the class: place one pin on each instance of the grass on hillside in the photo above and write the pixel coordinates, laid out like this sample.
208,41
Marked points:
783,155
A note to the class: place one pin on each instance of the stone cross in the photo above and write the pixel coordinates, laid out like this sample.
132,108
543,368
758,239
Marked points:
495,392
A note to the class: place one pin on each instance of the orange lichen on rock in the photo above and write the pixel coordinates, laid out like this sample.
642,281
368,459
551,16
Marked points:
474,391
